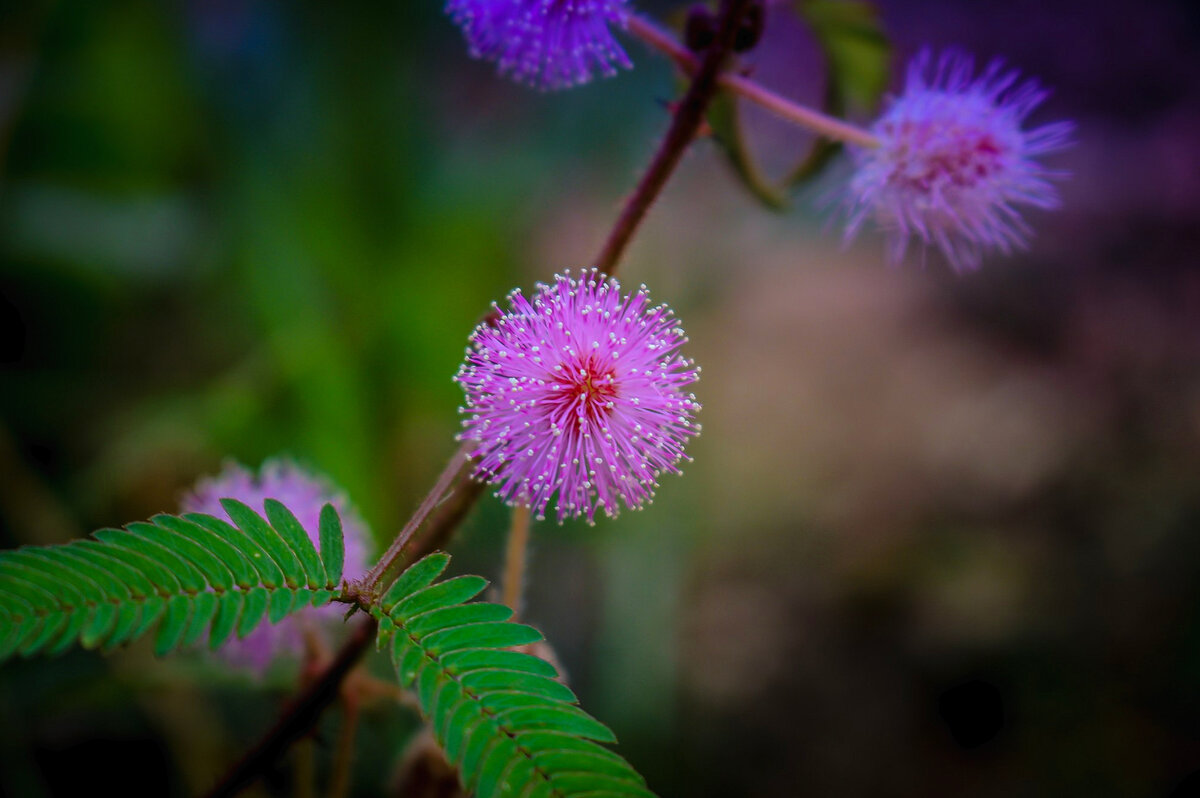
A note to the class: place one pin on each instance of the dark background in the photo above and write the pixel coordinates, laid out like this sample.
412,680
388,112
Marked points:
941,534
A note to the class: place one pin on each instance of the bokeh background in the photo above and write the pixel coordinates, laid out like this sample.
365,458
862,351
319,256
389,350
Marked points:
941,534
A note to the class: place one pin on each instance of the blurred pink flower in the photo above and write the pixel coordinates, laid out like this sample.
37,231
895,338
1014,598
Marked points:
304,494
954,164
579,393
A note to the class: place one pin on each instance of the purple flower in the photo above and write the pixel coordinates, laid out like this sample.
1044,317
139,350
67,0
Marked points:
304,494
549,44
578,395
953,163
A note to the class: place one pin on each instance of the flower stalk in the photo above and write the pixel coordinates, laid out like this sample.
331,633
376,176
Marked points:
515,555
827,126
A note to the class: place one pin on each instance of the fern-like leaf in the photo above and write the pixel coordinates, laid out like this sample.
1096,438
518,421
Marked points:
191,574
502,717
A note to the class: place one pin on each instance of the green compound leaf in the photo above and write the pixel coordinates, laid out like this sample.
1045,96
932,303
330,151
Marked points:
502,717
194,576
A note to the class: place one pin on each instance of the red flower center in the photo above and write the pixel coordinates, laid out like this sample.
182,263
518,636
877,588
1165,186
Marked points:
941,153
588,390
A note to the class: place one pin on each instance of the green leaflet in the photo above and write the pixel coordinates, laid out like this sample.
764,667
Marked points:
481,635
167,572
502,717
204,609
228,610
260,531
192,577
170,631
253,609
279,605
154,543
121,565
293,534
333,546
457,616
444,594
123,627
269,574
494,681
488,658
417,576
240,568
99,626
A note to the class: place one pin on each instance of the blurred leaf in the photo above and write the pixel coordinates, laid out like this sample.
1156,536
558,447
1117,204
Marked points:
857,52
857,68
857,57
147,234
725,121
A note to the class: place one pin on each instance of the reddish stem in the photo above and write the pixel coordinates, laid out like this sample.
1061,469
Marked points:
689,115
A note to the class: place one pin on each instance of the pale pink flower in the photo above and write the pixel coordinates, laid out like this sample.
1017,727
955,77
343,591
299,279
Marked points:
304,494
954,163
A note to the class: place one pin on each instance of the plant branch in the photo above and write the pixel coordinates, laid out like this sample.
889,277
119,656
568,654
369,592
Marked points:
339,785
689,115
303,713
449,515
451,474
814,120
514,558
454,492
300,715
304,770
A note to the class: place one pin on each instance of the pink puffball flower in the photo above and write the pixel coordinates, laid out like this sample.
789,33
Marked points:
304,494
579,396
548,44
954,163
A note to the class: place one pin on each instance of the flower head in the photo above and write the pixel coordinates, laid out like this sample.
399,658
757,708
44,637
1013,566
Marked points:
579,396
550,44
304,494
953,163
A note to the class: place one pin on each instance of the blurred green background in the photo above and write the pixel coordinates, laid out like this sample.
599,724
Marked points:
941,534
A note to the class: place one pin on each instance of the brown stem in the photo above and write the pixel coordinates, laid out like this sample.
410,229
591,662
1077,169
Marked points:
689,115
449,476
307,708
814,120
447,518
514,558
304,770
300,715
339,784
303,713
